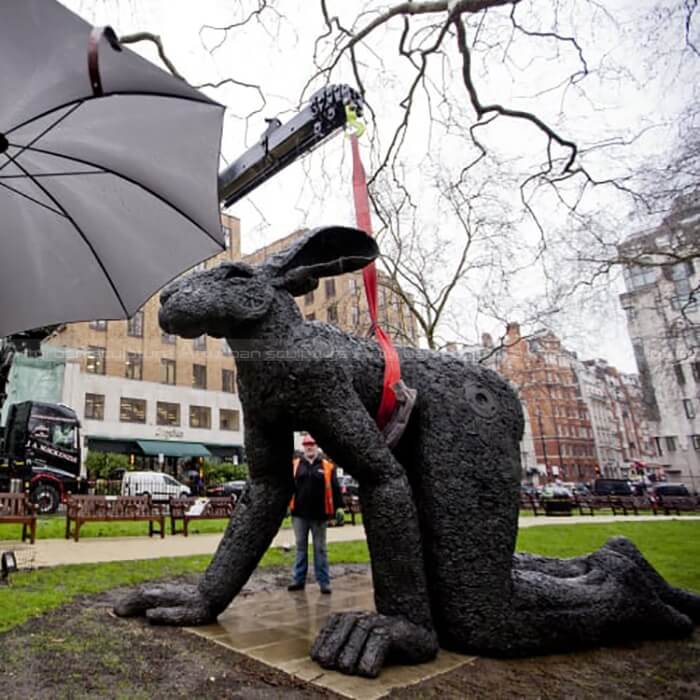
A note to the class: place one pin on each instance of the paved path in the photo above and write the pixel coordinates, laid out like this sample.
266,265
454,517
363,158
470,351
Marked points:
52,552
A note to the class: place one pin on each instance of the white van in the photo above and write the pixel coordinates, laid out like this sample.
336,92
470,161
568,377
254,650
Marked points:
155,484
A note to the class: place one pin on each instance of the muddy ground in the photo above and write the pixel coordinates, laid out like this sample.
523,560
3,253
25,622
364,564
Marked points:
83,651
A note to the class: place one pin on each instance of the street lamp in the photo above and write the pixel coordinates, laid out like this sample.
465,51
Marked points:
538,413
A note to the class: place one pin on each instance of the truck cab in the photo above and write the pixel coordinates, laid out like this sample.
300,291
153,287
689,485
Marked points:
42,449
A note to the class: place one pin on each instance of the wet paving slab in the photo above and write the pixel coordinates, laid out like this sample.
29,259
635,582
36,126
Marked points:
278,628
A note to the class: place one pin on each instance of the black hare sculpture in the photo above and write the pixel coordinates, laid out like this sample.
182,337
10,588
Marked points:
440,511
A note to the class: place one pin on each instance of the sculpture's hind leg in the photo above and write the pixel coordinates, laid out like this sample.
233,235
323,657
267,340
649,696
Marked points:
464,468
483,599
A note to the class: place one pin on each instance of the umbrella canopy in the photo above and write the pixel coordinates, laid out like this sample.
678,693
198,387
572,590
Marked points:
108,172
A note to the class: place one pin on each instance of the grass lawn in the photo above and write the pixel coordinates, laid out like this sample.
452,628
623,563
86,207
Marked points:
54,527
673,547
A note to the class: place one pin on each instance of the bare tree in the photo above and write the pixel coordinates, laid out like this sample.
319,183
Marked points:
462,94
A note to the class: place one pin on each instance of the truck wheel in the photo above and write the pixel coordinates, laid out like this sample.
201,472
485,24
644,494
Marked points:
46,499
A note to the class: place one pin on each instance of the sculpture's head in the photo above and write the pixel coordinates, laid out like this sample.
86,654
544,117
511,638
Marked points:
228,299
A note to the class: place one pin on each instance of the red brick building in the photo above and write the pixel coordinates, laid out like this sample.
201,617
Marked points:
544,373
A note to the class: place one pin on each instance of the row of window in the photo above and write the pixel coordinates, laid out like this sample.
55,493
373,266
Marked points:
331,314
680,372
134,328
133,369
133,410
329,285
573,430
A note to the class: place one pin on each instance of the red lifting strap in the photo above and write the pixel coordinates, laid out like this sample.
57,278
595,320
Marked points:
392,366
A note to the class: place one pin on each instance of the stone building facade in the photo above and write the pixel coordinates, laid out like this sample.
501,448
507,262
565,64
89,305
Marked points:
157,397
663,318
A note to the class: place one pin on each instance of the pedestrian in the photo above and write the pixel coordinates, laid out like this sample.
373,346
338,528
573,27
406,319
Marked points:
316,498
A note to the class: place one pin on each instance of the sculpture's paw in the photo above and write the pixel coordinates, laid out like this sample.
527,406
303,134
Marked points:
360,643
167,605
686,602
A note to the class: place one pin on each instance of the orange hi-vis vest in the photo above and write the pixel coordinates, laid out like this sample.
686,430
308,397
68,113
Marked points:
328,493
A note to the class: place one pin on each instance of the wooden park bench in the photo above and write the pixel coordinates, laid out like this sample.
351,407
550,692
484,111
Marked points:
529,502
676,504
92,509
17,508
189,508
351,505
586,504
630,504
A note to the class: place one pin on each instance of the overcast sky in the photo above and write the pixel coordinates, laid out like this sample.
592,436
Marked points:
278,58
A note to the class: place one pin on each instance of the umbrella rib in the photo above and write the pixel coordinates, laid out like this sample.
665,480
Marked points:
11,158
83,236
37,175
140,186
31,199
89,98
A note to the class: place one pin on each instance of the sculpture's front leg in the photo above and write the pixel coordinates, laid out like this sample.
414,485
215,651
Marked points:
359,642
254,523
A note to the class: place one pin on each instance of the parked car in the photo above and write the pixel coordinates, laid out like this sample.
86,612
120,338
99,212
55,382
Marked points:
612,487
580,490
659,491
557,499
348,485
556,491
528,490
155,484
228,488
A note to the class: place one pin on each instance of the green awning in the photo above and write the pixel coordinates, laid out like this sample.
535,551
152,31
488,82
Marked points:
172,448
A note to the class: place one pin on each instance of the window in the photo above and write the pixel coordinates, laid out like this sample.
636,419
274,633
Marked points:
168,413
132,410
228,381
227,236
332,313
311,317
671,443
657,444
200,342
199,376
95,406
229,419
133,368
98,325
167,338
355,314
696,442
200,417
689,408
639,276
680,376
95,360
309,297
167,371
330,288
134,326
695,369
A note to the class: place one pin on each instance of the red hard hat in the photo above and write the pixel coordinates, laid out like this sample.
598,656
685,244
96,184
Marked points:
308,440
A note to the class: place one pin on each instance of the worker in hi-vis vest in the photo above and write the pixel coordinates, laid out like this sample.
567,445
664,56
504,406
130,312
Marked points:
316,499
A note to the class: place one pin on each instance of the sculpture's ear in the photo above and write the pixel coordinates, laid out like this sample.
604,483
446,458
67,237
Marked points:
331,250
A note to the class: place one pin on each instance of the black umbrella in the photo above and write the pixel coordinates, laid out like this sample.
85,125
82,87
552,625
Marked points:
108,171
